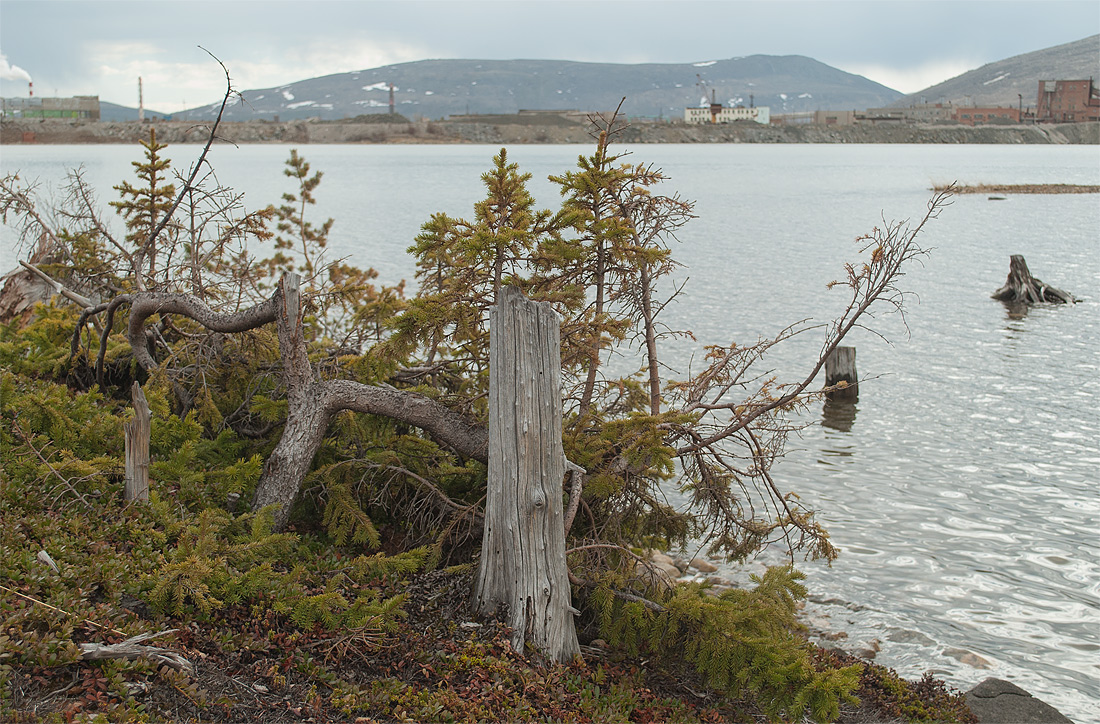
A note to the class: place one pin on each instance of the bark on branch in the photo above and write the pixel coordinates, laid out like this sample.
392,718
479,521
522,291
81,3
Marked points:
312,402
58,287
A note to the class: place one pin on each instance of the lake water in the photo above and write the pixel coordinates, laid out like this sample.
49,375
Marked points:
963,487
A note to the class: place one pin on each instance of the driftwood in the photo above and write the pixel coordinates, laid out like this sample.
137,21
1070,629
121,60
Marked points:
1022,287
523,545
132,648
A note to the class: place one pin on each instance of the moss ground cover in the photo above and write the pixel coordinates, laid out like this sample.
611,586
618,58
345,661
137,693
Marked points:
279,627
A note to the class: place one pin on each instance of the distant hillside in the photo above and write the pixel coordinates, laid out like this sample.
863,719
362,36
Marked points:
997,84
434,89
116,113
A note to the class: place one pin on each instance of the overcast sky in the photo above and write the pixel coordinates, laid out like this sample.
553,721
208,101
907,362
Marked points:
96,47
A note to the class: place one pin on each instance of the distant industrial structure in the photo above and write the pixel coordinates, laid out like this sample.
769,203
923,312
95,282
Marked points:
78,107
727,114
1059,101
715,112
1067,101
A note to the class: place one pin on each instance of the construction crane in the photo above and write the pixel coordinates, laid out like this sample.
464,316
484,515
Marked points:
715,106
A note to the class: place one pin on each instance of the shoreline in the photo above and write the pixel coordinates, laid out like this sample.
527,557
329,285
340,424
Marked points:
992,700
493,131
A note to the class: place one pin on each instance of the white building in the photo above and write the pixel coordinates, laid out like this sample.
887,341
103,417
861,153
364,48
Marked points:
716,113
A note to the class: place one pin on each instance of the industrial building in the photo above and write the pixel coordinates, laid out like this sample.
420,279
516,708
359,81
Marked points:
77,107
1067,101
718,113
972,116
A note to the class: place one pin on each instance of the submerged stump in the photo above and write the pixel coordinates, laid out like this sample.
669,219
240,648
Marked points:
1021,287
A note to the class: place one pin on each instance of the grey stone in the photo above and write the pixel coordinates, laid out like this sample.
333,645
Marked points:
995,701
967,657
703,565
907,636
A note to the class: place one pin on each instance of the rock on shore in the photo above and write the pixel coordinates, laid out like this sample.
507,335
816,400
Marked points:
467,131
995,701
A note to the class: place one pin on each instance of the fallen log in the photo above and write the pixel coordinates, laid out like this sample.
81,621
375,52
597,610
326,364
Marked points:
1022,287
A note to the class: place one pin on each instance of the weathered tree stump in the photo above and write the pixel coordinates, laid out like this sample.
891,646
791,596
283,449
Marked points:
1022,287
523,546
840,369
137,432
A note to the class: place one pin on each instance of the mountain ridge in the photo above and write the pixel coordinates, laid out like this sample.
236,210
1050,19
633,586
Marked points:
1015,80
433,89
439,88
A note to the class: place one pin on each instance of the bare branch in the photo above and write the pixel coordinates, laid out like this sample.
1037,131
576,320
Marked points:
891,249
58,287
202,156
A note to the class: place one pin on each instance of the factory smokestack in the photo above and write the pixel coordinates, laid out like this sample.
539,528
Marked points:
141,102
30,89
391,99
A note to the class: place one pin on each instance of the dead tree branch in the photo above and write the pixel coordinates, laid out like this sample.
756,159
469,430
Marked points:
312,402
58,287
202,156
132,648
891,249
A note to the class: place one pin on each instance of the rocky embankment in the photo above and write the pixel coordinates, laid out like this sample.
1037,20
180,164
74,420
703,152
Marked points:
518,132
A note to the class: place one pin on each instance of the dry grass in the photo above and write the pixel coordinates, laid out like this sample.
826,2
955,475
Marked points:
1021,188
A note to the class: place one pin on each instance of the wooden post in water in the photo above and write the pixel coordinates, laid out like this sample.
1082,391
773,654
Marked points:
523,547
137,447
840,367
